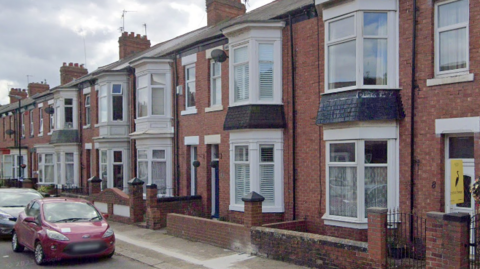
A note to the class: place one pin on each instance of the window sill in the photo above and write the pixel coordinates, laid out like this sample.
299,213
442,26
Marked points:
86,127
214,108
50,133
265,209
450,79
344,222
189,112
40,134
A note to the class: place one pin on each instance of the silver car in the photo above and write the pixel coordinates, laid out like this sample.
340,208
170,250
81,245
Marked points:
12,202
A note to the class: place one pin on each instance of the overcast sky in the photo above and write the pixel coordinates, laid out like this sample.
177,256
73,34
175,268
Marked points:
36,37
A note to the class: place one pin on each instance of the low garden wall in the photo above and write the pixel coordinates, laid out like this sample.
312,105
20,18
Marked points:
295,225
218,233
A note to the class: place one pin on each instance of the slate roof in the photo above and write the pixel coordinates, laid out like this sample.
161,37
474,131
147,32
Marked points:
360,105
65,136
255,117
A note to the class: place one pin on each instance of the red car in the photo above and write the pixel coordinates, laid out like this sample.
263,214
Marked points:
62,228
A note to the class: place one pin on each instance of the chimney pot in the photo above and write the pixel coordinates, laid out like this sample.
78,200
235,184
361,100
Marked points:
70,64
64,63
76,65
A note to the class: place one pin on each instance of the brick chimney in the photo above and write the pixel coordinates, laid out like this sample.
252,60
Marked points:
221,10
17,92
71,71
130,44
35,87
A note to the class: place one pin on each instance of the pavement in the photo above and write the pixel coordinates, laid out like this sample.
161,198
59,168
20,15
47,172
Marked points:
160,250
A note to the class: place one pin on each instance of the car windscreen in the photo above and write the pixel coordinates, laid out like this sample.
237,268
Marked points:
70,212
17,199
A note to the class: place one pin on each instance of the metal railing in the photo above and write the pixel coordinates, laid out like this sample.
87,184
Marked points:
475,241
74,189
406,240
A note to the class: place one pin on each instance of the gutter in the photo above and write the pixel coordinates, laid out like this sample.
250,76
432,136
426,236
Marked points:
176,128
412,110
294,124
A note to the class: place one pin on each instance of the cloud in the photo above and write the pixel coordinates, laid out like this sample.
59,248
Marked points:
38,36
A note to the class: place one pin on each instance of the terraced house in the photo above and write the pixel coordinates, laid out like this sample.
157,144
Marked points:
325,108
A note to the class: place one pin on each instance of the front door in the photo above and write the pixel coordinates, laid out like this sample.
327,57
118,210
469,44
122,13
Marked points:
215,182
460,148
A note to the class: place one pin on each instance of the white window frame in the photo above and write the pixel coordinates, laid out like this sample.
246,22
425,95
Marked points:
40,125
188,106
32,131
51,122
213,79
103,97
66,124
243,163
150,160
254,140
438,30
42,164
122,163
88,118
72,164
392,50
247,95
360,221
113,95
193,170
265,164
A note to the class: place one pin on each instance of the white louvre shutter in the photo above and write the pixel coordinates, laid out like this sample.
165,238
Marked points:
242,74
267,174
242,173
265,56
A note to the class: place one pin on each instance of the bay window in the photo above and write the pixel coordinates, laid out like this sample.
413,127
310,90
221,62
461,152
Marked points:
151,95
242,173
152,169
104,168
255,63
52,120
69,168
68,113
46,166
117,102
257,165
103,104
360,175
451,37
118,169
241,71
360,51
22,116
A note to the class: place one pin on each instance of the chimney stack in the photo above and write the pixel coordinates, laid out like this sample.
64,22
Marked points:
130,44
222,10
34,88
71,71
17,92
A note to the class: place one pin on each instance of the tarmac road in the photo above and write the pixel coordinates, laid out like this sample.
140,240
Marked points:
12,260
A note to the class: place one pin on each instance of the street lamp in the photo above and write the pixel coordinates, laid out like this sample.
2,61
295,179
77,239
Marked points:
19,135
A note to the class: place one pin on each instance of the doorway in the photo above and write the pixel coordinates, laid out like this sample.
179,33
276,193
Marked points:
215,182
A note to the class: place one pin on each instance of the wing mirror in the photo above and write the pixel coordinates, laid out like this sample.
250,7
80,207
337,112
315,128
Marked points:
105,215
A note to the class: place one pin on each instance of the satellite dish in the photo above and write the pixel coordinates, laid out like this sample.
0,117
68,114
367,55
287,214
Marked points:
219,56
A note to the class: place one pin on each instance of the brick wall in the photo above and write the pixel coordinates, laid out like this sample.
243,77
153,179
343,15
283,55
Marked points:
223,234
187,205
296,226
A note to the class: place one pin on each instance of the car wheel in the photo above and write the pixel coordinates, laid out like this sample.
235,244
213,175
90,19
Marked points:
39,254
16,246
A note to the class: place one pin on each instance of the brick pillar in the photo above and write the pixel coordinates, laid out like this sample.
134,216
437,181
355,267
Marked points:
448,238
27,184
94,185
252,215
137,205
153,213
377,235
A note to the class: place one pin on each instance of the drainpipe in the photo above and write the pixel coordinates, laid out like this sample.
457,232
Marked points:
412,109
294,170
175,119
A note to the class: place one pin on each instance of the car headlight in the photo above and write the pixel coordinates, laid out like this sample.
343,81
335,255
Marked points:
108,233
5,216
56,236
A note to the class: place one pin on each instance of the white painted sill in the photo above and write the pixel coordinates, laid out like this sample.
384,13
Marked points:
86,126
344,222
450,80
214,108
189,112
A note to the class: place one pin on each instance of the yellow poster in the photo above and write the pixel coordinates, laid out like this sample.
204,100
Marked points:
456,182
